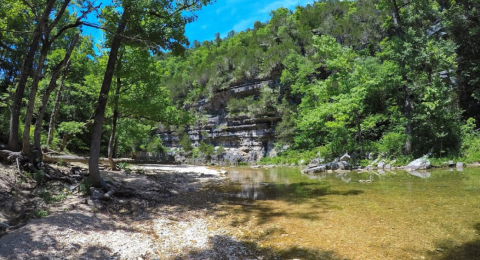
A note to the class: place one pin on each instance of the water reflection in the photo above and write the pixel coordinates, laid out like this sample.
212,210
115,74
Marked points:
288,184
421,174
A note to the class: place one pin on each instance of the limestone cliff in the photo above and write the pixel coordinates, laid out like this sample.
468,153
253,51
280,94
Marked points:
246,138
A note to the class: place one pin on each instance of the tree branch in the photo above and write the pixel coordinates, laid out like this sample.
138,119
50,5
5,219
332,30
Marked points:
58,16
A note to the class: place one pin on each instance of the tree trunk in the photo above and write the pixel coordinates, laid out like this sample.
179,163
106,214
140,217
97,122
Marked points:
407,106
26,69
51,125
408,115
46,96
64,142
111,142
95,177
31,99
359,133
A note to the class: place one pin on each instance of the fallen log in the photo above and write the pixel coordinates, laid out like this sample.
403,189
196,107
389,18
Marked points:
81,159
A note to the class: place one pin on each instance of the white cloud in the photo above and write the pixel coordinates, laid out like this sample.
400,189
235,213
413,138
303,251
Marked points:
289,4
244,24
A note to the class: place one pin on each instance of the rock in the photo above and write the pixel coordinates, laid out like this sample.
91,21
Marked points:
370,156
97,194
460,165
388,166
343,165
345,158
222,171
317,169
4,225
419,164
380,164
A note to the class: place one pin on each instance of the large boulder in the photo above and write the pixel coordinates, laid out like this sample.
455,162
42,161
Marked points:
343,165
419,164
345,158
381,164
317,169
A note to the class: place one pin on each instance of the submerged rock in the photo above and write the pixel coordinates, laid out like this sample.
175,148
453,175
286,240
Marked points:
419,164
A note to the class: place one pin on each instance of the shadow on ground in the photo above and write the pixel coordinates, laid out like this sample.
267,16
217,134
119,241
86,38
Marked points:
447,250
141,198
43,238
227,248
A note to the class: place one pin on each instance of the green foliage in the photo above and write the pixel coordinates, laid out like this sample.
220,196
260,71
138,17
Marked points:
206,149
85,186
355,88
49,198
471,141
124,166
186,143
39,177
220,150
41,213
391,144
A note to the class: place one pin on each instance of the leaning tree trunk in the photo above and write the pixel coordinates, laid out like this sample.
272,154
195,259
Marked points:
36,79
94,170
26,69
53,83
51,124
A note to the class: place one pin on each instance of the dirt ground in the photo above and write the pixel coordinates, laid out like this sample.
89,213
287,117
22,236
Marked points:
162,212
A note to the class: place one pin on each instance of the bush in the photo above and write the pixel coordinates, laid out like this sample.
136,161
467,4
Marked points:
470,141
392,144
186,143
85,186
206,149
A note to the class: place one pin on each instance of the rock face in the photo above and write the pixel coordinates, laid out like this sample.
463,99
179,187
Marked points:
418,164
245,138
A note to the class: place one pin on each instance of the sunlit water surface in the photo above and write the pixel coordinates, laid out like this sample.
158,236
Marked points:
351,215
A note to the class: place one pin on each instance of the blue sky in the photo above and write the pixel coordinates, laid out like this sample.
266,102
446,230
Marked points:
222,17
238,15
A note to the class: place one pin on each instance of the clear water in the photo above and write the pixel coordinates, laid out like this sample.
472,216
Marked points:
358,215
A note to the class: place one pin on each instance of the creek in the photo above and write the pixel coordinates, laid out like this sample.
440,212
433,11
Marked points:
357,215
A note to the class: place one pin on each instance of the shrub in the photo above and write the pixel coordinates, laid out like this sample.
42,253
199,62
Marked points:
470,141
186,143
392,144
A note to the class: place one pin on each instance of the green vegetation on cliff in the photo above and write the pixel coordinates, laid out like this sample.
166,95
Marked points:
380,76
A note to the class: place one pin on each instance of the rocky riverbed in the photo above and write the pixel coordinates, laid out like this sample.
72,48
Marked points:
159,213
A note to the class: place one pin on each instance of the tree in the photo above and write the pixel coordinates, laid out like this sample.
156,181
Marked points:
157,24
25,73
52,85
424,58
47,41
